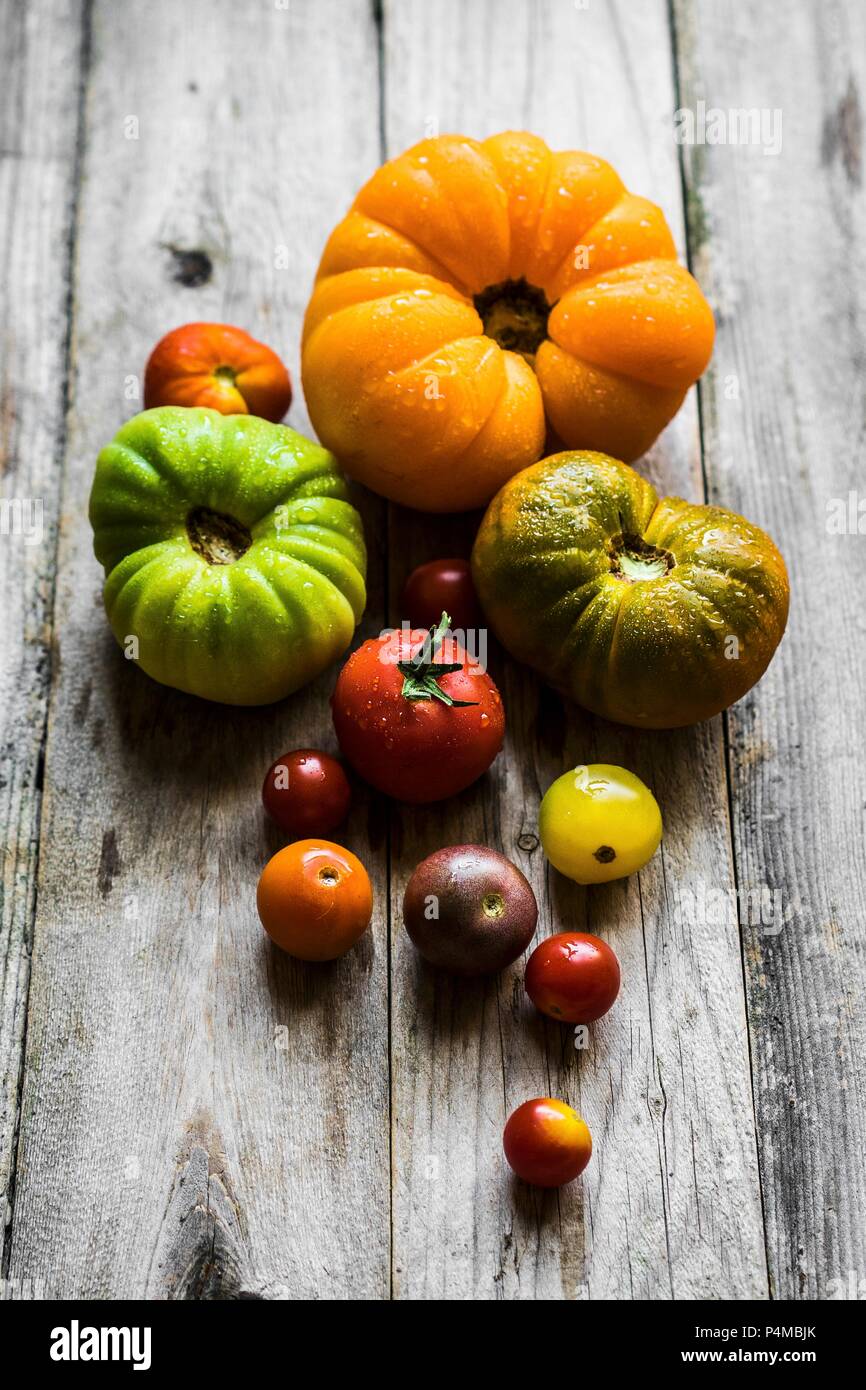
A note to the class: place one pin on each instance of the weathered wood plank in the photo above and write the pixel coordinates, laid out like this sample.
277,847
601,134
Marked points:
40,59
779,242
202,1117
670,1205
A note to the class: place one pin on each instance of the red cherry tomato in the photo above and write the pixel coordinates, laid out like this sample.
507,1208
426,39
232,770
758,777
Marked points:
306,792
573,977
546,1142
442,586
415,734
216,365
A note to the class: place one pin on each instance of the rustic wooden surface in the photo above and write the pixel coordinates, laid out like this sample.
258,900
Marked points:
184,1112
789,290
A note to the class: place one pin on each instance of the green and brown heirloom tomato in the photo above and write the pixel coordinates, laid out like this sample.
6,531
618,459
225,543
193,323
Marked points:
652,612
234,561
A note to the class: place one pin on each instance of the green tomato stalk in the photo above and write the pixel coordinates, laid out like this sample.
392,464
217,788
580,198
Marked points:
421,675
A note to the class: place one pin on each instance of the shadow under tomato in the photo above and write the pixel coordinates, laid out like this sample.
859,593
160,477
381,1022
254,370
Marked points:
188,740
542,1206
212,758
299,987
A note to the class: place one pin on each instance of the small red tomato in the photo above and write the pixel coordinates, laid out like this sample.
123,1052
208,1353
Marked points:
306,792
414,718
573,977
442,585
546,1142
218,366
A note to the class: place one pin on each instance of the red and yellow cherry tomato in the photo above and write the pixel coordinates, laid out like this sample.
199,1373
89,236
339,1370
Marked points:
546,1142
599,822
315,900
218,366
442,586
573,977
306,792
414,718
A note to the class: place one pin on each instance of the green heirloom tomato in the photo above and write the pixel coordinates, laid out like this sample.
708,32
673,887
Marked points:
648,611
231,553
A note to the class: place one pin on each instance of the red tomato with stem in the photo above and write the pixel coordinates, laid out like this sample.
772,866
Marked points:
306,792
218,366
573,977
414,717
442,586
546,1142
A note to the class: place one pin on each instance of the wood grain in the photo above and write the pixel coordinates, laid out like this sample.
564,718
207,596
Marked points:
670,1205
779,243
202,1116
40,59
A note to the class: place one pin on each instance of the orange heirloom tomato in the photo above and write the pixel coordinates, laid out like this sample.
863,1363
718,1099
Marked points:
477,292
546,1142
223,368
314,899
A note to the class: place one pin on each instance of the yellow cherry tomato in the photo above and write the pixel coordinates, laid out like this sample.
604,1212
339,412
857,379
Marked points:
599,822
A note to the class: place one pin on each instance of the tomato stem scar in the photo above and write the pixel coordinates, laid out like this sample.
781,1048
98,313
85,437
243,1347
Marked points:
605,854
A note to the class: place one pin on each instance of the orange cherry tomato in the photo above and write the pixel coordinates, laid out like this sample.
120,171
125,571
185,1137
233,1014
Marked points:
573,977
218,366
315,900
546,1142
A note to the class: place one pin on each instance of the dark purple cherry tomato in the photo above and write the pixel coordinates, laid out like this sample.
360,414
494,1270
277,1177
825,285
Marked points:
469,910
